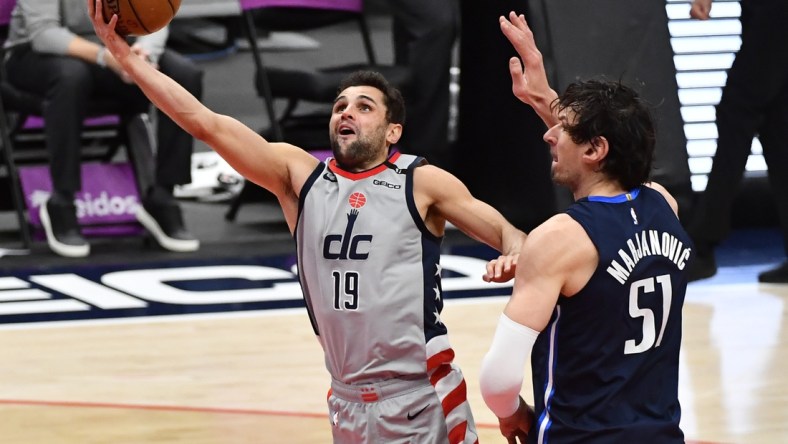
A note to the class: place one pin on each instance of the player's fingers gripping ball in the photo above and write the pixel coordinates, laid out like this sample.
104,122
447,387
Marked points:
140,17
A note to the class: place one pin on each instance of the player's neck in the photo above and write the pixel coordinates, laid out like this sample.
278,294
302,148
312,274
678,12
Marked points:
360,167
599,187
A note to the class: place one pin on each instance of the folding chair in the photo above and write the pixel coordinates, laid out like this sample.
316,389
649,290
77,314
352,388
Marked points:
304,85
106,129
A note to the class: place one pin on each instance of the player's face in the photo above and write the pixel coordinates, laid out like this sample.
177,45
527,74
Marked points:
358,128
566,168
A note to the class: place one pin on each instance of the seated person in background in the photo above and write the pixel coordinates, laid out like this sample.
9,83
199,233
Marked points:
54,53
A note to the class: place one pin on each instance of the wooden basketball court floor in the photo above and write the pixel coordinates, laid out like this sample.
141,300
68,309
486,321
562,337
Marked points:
237,373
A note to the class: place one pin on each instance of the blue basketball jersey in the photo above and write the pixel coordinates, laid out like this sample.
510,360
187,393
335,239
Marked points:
605,370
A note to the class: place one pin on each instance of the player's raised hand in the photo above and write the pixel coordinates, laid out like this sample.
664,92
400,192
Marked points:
529,78
116,44
700,9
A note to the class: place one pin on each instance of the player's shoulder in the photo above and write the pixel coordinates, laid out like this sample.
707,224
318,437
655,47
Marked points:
431,177
560,229
559,243
674,205
558,222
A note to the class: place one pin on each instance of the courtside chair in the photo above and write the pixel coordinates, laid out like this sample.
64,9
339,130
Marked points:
107,128
306,90
9,94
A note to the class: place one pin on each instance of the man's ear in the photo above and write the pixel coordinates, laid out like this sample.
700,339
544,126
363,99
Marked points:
393,133
597,150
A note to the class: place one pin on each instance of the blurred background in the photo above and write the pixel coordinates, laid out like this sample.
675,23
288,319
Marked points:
493,142
677,63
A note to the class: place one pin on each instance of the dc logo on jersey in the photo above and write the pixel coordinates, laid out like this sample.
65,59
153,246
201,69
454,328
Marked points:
348,246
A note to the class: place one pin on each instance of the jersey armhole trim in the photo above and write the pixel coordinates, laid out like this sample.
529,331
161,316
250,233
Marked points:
305,190
411,201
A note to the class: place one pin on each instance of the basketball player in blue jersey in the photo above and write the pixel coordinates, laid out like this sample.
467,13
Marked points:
368,226
599,289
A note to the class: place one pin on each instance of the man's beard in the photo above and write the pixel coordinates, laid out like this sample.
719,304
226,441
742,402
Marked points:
562,179
360,152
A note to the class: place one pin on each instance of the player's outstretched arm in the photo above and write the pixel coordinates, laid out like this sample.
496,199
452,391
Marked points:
446,197
674,205
281,168
529,78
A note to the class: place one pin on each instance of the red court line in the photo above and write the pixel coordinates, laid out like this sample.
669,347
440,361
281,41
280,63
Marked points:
177,408
183,408
157,407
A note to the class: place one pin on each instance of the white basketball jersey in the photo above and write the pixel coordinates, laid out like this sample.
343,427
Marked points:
370,273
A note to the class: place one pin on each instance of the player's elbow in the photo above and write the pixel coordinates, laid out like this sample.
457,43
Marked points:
204,127
500,386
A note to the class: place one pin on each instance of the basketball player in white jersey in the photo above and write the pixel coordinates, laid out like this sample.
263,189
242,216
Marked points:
368,226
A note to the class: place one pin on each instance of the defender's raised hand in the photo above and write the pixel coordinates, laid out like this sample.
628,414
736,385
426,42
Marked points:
529,79
700,9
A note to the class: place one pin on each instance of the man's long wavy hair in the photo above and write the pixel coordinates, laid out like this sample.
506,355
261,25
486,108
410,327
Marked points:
617,113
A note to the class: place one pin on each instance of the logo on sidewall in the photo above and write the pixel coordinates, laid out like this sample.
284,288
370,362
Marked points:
93,206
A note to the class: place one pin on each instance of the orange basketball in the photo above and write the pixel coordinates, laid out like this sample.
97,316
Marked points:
140,17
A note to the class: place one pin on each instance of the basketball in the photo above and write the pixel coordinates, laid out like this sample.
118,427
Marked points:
140,17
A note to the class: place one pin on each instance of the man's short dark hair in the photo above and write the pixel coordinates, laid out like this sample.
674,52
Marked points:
392,98
616,112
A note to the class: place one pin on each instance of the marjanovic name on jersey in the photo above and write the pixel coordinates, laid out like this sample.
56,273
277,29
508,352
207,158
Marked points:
644,244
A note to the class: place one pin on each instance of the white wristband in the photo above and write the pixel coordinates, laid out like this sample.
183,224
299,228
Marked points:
101,59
